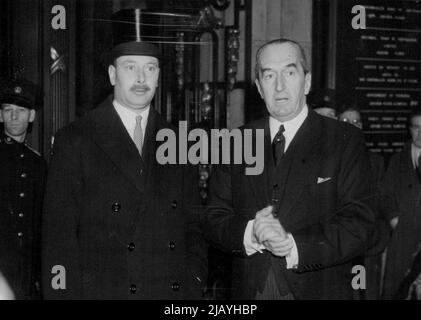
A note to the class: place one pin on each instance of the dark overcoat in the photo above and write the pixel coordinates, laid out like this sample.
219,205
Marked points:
121,225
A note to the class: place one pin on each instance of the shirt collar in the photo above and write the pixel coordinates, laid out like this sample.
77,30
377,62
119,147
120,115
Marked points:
128,117
291,126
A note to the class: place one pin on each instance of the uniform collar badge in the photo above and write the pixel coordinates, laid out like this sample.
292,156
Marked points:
18,90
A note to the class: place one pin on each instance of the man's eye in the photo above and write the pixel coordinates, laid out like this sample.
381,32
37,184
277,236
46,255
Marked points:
268,76
130,68
151,68
290,73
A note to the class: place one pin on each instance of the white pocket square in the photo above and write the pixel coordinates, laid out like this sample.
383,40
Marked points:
321,180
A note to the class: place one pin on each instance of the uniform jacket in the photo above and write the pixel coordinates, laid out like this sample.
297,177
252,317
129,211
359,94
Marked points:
323,191
22,177
402,190
122,226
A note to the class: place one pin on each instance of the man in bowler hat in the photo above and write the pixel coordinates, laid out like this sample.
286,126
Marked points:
118,225
22,176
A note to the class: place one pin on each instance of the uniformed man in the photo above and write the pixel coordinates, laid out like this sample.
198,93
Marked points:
22,172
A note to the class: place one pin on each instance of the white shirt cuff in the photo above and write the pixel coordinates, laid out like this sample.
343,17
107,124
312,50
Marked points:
250,246
292,257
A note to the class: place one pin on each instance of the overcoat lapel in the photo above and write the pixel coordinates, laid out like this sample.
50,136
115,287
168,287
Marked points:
300,161
112,137
153,177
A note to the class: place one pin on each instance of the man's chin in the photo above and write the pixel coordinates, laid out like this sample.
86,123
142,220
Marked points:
284,115
139,104
15,133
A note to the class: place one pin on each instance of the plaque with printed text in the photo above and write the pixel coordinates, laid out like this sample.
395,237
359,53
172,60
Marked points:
379,67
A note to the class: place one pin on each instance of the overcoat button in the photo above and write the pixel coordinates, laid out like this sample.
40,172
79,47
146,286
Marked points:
131,246
171,245
174,204
22,195
175,286
116,207
23,175
133,289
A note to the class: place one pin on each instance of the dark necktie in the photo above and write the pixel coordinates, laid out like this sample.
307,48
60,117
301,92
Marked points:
278,145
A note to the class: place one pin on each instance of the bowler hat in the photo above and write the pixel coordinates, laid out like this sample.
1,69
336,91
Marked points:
134,33
20,92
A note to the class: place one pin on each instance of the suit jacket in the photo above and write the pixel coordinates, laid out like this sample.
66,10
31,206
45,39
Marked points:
377,167
329,219
401,189
122,226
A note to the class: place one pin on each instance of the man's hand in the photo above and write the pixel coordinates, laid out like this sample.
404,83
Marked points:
268,231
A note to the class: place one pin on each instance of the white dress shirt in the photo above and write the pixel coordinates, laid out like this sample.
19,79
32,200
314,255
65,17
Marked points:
128,117
291,128
415,152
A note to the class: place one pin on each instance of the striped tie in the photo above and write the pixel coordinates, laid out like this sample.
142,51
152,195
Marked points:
138,134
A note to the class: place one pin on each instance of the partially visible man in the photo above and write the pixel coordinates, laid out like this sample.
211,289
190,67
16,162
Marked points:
374,258
295,229
352,116
22,172
118,224
402,186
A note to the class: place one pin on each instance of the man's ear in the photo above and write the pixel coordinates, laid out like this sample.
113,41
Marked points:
111,74
307,85
258,87
32,115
